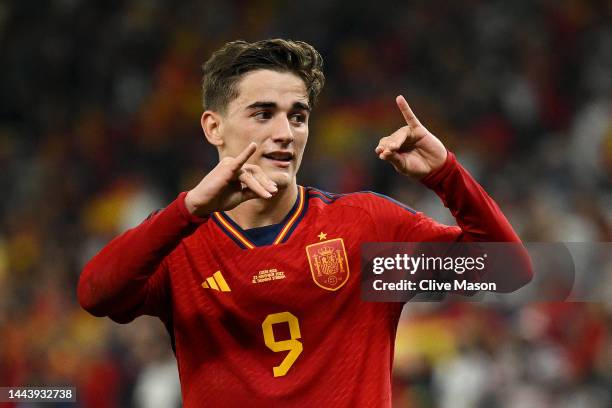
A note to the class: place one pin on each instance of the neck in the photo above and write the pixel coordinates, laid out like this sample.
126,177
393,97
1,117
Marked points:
260,212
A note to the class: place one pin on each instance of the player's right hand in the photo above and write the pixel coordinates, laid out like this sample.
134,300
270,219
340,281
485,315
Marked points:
230,183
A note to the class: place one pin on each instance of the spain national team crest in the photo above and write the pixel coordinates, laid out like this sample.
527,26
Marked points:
328,263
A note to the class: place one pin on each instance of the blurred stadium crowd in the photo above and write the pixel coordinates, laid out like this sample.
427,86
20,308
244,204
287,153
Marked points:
99,125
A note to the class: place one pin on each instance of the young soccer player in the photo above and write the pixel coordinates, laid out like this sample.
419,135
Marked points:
255,277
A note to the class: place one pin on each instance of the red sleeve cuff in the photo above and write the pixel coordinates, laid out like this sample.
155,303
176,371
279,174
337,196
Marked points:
180,202
435,178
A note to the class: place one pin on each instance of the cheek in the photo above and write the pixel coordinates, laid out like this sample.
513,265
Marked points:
301,138
237,136
300,145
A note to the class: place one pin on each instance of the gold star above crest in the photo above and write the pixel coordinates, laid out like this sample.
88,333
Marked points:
322,236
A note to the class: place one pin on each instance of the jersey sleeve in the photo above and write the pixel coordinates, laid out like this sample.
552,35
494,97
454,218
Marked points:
478,217
129,276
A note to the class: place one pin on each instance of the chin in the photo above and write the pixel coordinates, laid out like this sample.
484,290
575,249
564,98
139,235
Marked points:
281,175
282,182
282,179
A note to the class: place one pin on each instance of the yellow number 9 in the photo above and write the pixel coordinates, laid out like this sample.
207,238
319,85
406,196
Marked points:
292,345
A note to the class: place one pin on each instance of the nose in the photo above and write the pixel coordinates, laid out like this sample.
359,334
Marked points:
283,133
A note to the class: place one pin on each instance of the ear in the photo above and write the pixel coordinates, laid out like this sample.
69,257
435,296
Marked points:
211,124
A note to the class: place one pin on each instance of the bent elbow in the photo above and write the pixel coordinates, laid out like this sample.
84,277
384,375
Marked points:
87,301
524,267
508,265
86,296
515,268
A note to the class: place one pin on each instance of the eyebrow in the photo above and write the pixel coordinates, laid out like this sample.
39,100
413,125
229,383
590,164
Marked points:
273,105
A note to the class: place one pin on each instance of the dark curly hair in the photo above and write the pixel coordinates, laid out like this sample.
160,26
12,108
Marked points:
226,66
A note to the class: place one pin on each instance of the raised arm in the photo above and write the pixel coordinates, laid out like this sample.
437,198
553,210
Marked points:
129,276
416,152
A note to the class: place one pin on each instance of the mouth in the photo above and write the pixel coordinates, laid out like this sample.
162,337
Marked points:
280,158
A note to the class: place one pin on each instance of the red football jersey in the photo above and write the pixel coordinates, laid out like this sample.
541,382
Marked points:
273,315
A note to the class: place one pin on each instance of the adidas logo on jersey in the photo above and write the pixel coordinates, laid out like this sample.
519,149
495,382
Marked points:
216,282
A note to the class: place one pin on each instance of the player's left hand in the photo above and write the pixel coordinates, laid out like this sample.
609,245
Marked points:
412,150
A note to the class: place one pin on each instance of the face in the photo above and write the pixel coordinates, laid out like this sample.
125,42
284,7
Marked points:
271,110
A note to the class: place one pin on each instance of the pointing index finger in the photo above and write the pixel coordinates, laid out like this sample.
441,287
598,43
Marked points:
407,113
246,154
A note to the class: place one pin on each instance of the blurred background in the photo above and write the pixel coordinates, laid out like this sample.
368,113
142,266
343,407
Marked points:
99,125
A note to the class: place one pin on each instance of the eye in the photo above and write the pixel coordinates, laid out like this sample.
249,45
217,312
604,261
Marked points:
298,118
263,115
